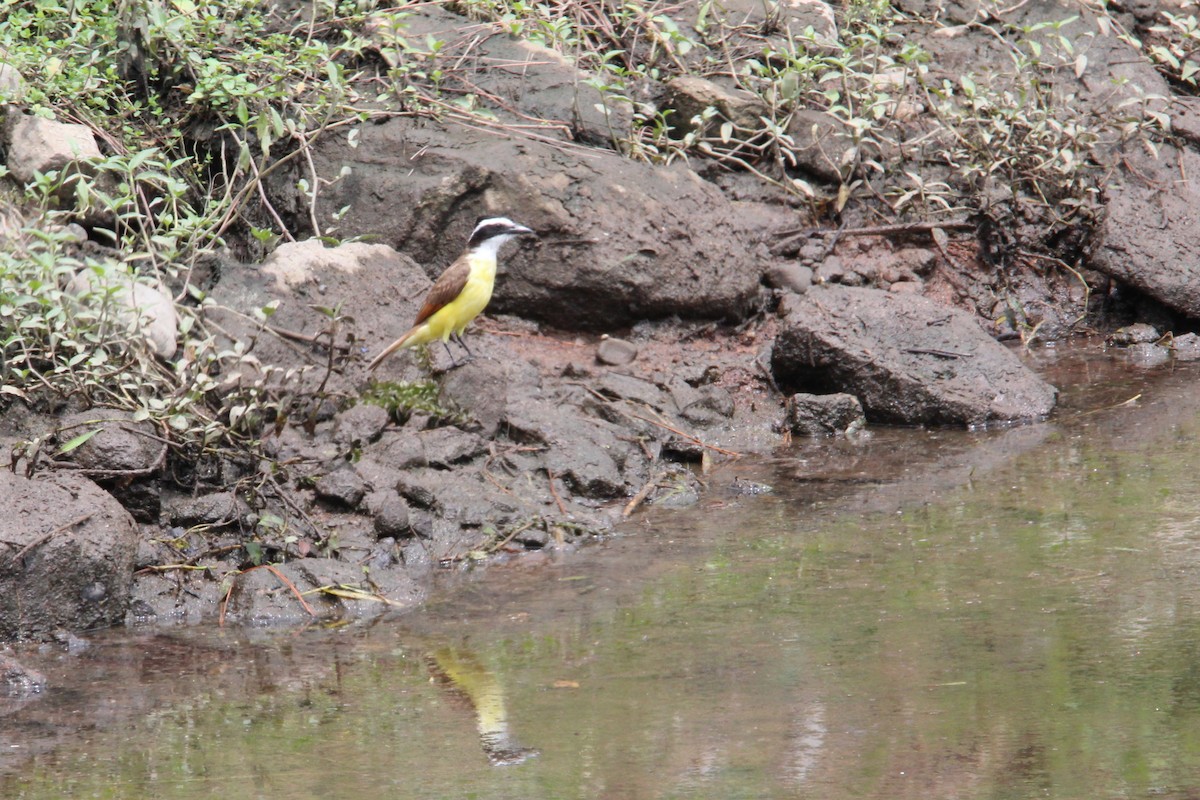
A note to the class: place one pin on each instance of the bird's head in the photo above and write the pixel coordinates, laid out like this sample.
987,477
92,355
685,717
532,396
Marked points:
495,231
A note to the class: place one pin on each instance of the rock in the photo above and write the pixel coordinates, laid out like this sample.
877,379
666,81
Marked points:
343,486
1138,333
360,424
42,145
147,312
480,387
547,86
294,264
17,680
655,242
12,85
819,414
627,387
1148,354
1148,237
587,468
445,447
391,516
66,555
616,352
907,359
215,509
824,146
790,276
1186,347
121,444
688,97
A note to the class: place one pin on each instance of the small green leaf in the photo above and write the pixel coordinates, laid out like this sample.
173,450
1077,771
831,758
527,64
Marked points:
78,441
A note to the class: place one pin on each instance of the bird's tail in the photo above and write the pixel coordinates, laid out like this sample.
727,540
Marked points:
391,348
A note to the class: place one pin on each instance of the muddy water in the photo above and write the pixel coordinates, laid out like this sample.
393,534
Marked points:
918,614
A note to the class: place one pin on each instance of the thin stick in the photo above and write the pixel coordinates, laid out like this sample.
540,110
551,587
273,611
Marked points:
553,491
640,497
687,436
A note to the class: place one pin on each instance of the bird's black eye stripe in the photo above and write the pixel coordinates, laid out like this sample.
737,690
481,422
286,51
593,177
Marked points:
487,232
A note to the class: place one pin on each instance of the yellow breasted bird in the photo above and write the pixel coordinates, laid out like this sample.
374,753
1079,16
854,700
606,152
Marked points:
462,291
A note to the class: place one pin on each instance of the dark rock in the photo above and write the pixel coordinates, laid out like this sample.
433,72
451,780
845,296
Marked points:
616,352
822,143
1148,236
907,359
121,445
672,243
361,423
391,516
400,450
343,486
215,509
819,414
627,387
704,406
587,468
417,490
790,276
77,547
480,387
445,447
17,680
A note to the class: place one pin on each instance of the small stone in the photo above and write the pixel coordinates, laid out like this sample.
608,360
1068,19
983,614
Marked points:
628,387
616,352
1138,333
445,447
816,415
42,145
417,493
1186,347
342,486
830,270
392,518
534,538
361,423
217,508
791,277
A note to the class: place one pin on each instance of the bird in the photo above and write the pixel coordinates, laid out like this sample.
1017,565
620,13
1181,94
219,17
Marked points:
462,291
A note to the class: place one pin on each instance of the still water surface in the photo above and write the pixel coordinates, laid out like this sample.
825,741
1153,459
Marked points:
919,614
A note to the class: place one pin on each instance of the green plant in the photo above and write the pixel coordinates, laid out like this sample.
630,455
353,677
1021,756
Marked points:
402,399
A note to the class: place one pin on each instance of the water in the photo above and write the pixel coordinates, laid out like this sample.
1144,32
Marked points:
924,614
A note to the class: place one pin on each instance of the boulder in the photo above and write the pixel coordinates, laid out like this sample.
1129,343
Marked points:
67,550
620,240
1149,237
906,358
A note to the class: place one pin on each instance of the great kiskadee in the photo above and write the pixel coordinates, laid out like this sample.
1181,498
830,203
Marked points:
462,291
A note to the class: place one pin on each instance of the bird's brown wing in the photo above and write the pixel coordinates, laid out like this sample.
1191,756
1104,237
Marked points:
447,287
